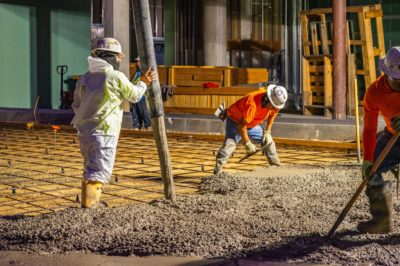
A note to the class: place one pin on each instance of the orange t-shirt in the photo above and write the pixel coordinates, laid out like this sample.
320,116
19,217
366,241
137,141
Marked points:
379,99
249,108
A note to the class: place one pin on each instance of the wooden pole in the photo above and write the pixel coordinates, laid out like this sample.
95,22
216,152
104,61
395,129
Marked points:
144,39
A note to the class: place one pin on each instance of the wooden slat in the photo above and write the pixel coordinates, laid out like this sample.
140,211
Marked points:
304,35
213,91
314,38
208,77
318,69
186,110
328,84
324,35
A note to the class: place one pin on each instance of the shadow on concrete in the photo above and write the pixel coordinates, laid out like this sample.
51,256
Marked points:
296,248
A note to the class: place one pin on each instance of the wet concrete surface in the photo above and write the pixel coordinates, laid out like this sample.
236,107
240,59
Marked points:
273,214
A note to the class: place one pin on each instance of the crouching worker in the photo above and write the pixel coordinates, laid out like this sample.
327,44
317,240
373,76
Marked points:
244,119
382,97
98,114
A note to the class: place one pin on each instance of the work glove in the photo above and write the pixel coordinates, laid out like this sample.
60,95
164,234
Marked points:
396,123
250,147
266,138
366,168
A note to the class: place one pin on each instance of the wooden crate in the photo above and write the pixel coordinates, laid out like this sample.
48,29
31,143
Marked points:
317,85
317,32
195,100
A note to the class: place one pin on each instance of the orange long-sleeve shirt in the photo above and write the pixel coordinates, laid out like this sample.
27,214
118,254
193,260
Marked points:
379,99
249,108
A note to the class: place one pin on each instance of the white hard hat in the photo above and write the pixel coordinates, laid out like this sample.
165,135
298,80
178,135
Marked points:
109,44
390,64
277,95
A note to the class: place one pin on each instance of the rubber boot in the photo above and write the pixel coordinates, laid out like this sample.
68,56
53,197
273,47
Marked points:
92,193
223,155
381,208
272,155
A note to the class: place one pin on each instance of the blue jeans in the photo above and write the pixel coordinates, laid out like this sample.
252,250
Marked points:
391,160
231,132
140,115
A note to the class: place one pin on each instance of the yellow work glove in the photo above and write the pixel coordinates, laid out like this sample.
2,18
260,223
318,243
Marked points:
366,168
266,138
250,147
396,123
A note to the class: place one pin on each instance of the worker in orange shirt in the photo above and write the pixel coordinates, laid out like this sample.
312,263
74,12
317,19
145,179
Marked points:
244,119
382,97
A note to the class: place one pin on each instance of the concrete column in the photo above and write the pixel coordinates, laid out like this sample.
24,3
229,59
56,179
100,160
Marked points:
245,20
116,25
214,35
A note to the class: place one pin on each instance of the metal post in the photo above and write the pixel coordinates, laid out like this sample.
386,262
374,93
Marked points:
144,39
339,59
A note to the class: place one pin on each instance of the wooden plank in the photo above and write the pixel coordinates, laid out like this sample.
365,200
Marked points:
319,11
314,38
328,86
381,38
207,77
252,75
212,91
171,76
192,83
186,110
304,35
357,42
318,100
366,31
162,74
316,69
364,49
324,35
317,88
307,95
314,78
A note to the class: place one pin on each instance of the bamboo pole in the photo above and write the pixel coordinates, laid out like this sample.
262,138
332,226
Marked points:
144,39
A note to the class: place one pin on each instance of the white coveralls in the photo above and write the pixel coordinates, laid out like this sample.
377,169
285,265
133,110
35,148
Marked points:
98,115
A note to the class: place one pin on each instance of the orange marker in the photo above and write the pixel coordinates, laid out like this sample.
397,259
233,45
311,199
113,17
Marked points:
55,128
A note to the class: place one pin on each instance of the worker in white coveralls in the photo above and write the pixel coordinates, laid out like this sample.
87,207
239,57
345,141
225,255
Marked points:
244,119
98,111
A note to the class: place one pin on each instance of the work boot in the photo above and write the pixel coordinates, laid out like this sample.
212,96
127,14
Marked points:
272,155
223,155
381,208
91,194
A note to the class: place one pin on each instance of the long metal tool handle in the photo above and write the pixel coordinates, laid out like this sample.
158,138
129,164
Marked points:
251,154
375,166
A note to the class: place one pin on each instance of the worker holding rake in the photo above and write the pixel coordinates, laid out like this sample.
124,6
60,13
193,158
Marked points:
382,97
98,111
244,119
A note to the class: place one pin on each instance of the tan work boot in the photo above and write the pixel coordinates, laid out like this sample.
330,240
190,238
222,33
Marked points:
381,208
272,155
91,193
226,150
